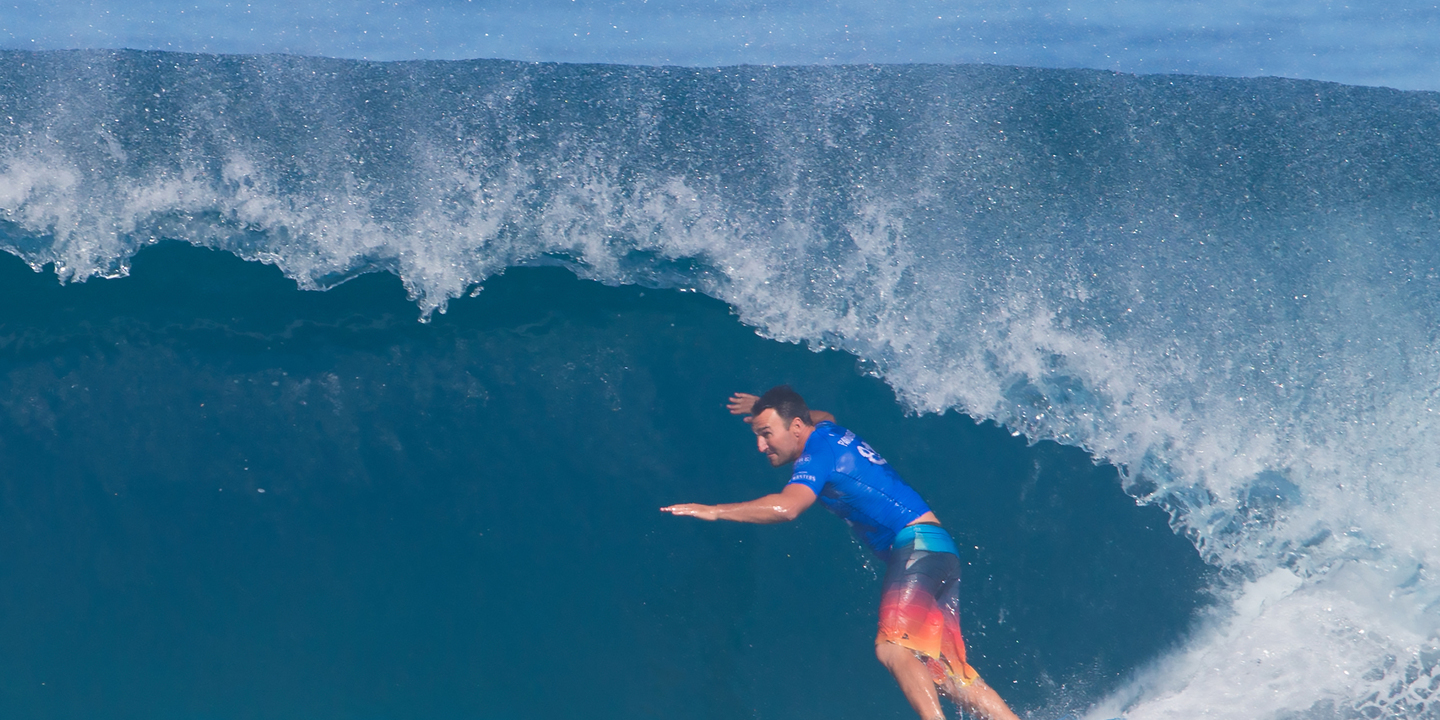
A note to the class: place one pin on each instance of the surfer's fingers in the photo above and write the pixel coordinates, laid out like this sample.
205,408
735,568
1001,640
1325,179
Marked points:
741,403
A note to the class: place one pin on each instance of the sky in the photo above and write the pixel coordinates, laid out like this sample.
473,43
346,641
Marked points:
1367,42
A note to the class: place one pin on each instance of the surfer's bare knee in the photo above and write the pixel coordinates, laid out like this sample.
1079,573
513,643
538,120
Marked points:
914,679
889,653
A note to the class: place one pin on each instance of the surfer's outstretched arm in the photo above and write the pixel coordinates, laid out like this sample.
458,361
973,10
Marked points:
741,403
778,507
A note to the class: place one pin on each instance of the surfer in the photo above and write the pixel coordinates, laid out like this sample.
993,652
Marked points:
919,639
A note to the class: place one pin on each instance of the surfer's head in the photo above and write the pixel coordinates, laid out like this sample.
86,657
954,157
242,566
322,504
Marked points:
782,424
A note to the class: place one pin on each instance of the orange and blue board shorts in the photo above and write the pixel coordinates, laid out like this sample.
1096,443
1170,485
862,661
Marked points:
920,603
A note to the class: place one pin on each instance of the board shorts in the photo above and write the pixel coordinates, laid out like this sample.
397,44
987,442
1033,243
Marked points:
920,603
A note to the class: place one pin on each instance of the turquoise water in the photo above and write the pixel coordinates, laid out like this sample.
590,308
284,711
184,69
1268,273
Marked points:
1159,349
460,519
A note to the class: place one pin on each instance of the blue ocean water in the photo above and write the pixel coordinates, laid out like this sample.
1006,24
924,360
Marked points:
226,497
1159,349
1365,42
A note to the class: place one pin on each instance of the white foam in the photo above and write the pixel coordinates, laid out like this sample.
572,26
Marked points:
1274,388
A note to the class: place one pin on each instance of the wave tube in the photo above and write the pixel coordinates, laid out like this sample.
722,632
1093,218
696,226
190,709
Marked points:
1228,288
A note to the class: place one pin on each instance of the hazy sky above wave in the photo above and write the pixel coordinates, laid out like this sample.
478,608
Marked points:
1369,42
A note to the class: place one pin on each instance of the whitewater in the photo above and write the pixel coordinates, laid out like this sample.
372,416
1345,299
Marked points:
1226,287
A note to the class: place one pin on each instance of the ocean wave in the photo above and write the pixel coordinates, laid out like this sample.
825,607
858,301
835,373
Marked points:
1226,287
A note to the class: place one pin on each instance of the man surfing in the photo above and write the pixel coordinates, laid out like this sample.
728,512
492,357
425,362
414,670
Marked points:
919,640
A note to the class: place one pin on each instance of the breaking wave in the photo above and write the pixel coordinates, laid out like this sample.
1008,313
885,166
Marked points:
1226,287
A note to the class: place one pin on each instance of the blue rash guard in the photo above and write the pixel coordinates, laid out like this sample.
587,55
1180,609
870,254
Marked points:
854,482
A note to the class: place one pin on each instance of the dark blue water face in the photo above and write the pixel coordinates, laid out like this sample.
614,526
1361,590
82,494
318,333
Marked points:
223,497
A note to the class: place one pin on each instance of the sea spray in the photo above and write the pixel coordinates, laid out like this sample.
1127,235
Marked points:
1226,287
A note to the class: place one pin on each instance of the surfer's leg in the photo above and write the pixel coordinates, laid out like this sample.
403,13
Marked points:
914,679
980,700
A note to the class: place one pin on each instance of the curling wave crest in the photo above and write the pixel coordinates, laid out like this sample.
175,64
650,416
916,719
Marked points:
1229,288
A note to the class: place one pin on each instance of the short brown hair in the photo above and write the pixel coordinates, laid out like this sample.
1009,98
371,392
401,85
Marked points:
785,402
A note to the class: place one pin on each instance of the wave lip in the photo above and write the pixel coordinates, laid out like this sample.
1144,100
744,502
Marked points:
1226,287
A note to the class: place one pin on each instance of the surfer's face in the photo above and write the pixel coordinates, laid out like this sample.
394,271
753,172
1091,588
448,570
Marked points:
780,443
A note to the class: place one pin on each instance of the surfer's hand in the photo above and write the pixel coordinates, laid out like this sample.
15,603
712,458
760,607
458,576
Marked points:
704,512
741,404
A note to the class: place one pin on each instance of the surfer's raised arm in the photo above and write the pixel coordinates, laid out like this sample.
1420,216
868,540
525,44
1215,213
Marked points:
782,442
741,403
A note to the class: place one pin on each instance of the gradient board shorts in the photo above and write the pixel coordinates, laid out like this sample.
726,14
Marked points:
920,603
